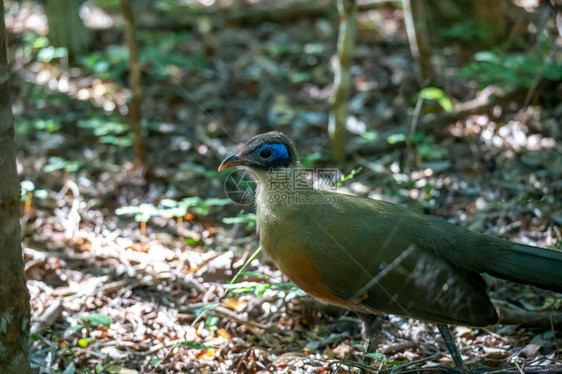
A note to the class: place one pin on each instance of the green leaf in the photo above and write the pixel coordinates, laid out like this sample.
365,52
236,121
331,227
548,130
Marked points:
376,356
120,141
396,138
50,53
98,319
70,369
487,56
369,136
40,42
216,202
430,151
345,178
193,242
191,201
255,275
434,93
196,345
72,328
397,362
40,194
168,203
249,219
248,261
49,125
310,159
256,288
118,369
202,310
211,323
174,212
27,186
58,163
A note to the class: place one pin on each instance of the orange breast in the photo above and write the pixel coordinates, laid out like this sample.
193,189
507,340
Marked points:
301,270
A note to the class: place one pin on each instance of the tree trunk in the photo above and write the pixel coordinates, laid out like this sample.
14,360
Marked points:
66,28
418,37
139,145
14,297
487,14
339,100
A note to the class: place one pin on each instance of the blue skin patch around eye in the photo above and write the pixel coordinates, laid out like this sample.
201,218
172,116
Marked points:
278,151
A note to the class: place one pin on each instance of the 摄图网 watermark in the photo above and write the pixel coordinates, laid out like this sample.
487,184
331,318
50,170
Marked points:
284,186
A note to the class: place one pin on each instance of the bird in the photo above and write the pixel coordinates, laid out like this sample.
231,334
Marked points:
372,256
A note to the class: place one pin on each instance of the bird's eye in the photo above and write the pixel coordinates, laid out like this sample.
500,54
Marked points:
265,153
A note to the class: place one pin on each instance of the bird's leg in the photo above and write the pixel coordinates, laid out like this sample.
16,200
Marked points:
372,326
451,346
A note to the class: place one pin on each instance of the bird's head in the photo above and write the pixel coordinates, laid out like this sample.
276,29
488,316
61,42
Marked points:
269,151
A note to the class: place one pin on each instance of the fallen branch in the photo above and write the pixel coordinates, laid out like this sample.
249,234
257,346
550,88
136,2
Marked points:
483,103
223,312
510,316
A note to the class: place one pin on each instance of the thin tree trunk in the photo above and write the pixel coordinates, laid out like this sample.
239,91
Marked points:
490,12
139,145
339,100
66,28
14,297
418,37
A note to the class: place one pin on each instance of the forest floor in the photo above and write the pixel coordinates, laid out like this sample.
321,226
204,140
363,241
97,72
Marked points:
129,267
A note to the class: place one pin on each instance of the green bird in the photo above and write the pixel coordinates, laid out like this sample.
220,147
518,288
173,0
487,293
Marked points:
372,256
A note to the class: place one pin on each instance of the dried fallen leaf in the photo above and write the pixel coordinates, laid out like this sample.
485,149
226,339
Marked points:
530,350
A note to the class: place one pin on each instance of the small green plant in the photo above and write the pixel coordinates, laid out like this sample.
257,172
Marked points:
384,359
249,219
211,323
310,159
41,45
110,64
155,362
425,144
259,288
256,288
59,163
368,137
437,94
349,176
26,125
466,31
109,132
165,50
398,138
498,67
67,348
49,53
519,200
195,345
91,320
171,209
27,192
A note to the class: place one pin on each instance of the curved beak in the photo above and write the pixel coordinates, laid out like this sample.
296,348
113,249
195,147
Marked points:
232,161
